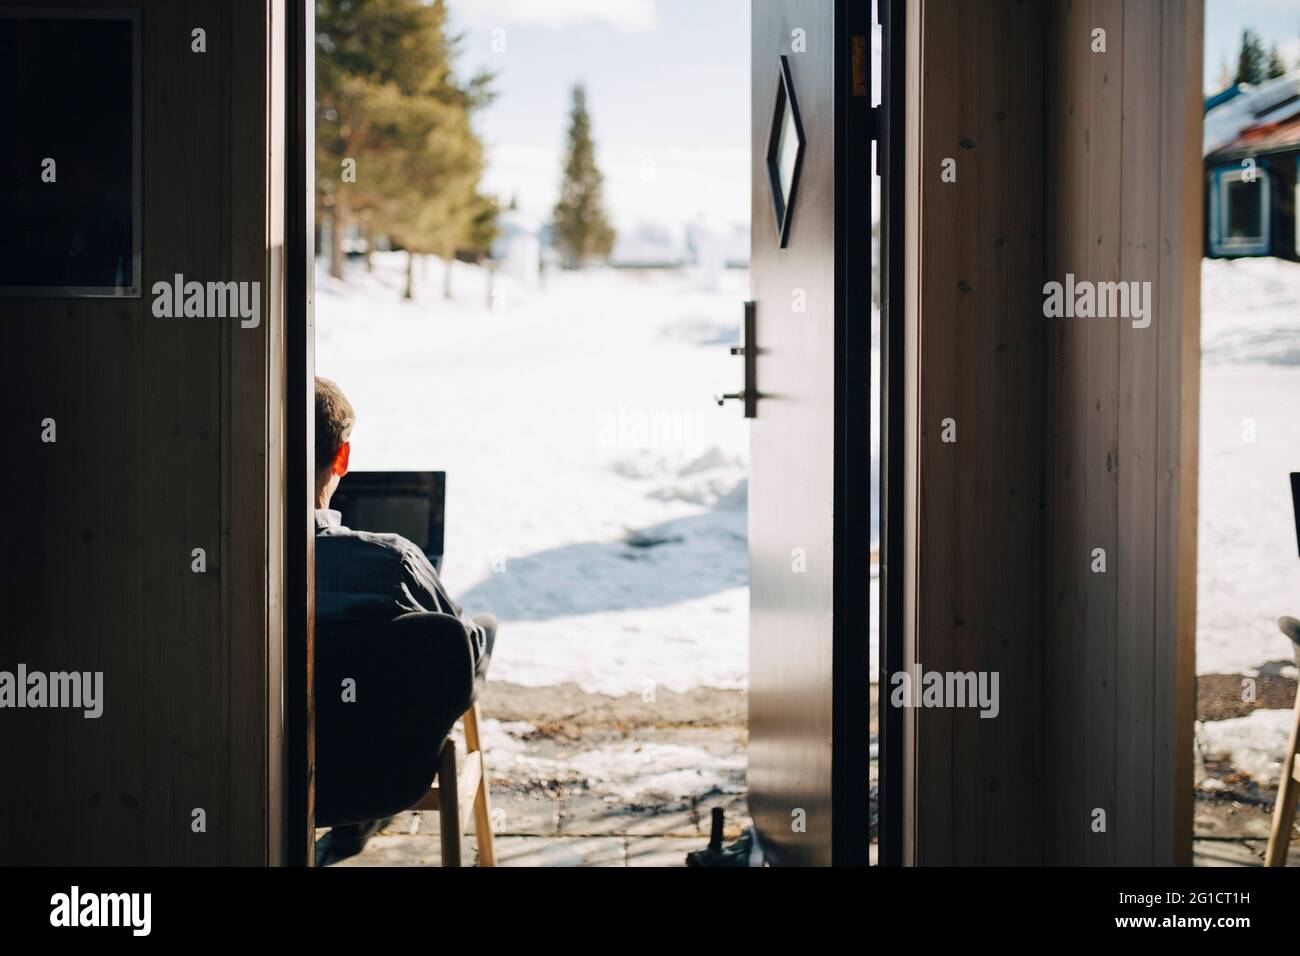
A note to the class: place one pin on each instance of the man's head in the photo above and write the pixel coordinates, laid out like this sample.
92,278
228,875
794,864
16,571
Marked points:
334,420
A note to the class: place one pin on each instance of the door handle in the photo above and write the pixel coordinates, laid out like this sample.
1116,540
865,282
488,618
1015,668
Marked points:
749,351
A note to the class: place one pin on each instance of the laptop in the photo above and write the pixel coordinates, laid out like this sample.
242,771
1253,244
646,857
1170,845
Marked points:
409,503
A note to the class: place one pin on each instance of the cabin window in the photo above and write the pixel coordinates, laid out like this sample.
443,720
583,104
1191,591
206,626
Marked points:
1239,212
70,182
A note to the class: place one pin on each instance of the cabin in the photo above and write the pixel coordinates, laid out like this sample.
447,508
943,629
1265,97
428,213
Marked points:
1252,170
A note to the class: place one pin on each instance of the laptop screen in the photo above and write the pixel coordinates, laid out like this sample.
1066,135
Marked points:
409,503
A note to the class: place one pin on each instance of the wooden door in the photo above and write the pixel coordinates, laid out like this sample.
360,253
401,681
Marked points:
809,342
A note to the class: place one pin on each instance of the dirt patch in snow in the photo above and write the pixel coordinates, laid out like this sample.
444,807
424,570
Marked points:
569,711
1218,696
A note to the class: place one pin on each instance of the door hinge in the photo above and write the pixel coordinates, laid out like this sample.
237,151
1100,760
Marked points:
861,64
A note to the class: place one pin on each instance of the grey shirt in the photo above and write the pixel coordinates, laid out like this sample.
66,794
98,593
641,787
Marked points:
365,574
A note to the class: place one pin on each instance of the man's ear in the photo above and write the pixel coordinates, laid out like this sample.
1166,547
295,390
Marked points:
341,459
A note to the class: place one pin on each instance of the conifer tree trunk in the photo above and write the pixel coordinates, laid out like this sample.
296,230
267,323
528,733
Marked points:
409,292
337,220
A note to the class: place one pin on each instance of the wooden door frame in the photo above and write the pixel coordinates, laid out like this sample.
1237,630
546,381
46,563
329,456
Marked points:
854,119
855,129
900,214
299,447
890,138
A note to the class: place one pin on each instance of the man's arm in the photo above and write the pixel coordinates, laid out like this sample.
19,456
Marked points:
425,588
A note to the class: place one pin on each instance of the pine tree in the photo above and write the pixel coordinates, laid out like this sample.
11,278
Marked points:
580,224
1275,66
1252,58
389,100
439,197
360,79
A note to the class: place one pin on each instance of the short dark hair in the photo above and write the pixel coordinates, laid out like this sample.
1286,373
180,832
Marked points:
334,421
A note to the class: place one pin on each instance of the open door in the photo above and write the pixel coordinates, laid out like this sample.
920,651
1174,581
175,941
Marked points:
808,385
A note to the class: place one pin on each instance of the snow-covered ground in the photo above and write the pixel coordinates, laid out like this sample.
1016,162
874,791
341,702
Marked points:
1248,571
630,771
596,495
1255,743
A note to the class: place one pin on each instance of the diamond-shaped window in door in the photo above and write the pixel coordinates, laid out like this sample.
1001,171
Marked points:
784,153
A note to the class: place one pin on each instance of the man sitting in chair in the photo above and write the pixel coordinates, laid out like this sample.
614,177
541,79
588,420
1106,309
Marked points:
363,575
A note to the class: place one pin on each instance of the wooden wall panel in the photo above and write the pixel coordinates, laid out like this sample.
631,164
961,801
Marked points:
1137,405
1181,42
298,645
1065,447
254,373
165,444
1122,147
1074,434
976,546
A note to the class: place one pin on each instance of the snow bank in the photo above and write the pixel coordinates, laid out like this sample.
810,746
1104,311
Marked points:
1248,572
1250,312
1254,743
595,492
626,773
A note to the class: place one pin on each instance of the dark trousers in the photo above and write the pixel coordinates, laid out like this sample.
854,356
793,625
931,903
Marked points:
348,840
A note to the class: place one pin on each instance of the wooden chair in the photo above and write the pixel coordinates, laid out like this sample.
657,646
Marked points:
385,746
1288,787
445,796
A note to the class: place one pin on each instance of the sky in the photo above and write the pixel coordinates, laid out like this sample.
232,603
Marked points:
1277,21
667,88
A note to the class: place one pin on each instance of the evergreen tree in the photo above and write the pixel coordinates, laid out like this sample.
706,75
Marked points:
389,101
1275,66
1251,61
481,225
440,200
580,224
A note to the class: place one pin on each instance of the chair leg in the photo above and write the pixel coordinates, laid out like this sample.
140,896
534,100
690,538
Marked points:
1279,839
448,805
487,854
